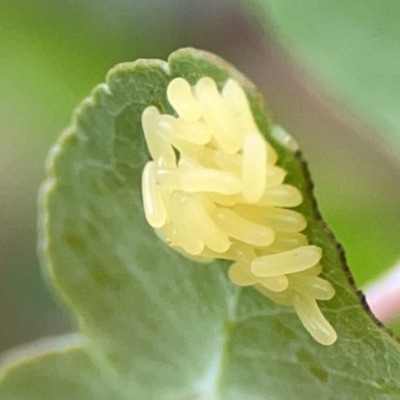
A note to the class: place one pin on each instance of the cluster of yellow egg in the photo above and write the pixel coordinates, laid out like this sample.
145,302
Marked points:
213,191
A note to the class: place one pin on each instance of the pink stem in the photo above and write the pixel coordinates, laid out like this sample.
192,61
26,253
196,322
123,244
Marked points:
383,296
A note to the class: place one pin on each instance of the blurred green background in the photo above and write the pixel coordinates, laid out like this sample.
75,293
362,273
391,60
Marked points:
53,52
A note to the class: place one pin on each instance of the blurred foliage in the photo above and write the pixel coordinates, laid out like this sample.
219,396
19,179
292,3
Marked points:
354,46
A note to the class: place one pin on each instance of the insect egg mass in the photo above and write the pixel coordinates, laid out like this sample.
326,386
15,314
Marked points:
213,191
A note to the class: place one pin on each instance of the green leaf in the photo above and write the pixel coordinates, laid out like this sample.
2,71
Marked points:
156,325
352,45
66,372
